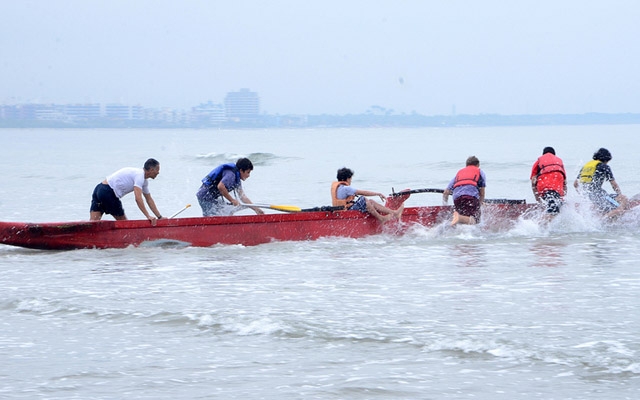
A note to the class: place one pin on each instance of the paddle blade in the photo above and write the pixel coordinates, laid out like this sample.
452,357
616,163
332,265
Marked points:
285,208
395,200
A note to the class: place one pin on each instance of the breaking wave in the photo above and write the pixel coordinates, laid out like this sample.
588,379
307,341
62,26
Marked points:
258,159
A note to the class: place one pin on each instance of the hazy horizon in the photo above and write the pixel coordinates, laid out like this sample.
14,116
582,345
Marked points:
331,57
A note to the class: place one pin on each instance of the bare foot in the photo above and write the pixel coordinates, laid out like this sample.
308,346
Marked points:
398,212
456,218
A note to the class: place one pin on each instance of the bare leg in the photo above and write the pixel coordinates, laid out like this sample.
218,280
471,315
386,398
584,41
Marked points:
121,217
624,202
624,206
399,211
384,212
455,219
615,213
467,220
547,217
95,216
372,208
462,219
634,201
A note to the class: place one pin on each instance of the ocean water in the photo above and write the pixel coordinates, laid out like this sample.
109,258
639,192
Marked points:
533,311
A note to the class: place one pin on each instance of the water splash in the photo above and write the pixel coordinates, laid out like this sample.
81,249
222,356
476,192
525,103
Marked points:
576,217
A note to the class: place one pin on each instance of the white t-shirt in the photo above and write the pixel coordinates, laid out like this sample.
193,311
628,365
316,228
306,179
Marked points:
123,180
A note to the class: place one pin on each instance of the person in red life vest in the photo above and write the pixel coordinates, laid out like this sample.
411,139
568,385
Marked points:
589,182
467,188
343,194
549,181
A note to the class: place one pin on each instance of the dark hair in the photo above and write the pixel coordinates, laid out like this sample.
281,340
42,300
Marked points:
344,174
244,164
602,155
549,149
151,163
473,160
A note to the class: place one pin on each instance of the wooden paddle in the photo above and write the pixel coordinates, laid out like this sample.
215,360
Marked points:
185,207
284,208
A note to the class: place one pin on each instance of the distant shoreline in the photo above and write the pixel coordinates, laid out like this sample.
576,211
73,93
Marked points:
346,121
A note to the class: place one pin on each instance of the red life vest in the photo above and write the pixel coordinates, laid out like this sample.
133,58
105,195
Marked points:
548,163
469,175
335,201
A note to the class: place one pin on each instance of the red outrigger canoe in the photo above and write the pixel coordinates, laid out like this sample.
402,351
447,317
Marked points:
247,230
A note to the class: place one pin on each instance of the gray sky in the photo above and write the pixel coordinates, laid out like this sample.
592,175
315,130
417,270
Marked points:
335,57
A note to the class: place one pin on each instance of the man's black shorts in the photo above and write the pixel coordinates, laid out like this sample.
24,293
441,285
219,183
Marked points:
104,200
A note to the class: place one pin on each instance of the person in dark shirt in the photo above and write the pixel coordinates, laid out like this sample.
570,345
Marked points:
590,180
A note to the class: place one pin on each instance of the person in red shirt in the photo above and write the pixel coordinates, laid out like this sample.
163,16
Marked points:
549,181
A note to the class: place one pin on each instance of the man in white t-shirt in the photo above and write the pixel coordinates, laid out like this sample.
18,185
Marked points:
107,194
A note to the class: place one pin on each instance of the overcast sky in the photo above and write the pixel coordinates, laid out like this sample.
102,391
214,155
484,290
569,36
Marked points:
334,57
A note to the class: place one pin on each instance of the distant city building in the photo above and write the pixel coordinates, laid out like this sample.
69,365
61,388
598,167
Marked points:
83,112
207,114
123,112
241,109
21,111
51,112
167,115
242,106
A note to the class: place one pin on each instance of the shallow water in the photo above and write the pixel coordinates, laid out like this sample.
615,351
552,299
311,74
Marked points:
531,311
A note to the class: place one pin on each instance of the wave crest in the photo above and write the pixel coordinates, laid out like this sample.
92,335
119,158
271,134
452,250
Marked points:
257,159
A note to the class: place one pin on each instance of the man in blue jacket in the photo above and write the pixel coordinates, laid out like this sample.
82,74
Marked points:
218,185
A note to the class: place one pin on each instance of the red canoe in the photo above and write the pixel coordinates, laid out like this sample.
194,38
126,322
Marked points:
246,230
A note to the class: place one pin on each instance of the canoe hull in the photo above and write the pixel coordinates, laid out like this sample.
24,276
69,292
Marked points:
246,230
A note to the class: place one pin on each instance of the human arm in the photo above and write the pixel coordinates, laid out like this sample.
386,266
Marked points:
445,196
534,179
615,187
137,192
225,193
534,182
576,182
576,185
367,193
246,200
482,184
448,191
152,205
